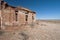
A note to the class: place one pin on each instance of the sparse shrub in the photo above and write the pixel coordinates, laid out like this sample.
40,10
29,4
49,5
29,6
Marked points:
1,32
43,25
25,36
37,23
32,25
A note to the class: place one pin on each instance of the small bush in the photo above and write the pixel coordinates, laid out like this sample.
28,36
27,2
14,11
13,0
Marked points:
25,36
1,32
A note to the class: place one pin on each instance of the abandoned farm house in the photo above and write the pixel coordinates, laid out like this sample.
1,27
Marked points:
10,15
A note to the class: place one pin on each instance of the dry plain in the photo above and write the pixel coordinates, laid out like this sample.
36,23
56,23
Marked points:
41,30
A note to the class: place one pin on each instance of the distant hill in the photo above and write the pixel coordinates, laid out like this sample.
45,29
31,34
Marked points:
52,21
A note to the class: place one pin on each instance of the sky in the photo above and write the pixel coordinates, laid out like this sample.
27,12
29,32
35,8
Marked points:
45,9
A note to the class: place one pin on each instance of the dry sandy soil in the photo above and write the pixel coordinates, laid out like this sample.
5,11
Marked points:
41,30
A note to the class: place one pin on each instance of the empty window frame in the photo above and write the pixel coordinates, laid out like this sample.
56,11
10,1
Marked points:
32,17
26,17
16,15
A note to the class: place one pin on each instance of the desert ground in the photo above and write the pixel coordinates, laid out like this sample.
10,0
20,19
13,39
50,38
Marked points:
41,30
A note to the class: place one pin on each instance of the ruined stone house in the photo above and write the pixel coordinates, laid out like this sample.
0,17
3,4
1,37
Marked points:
10,15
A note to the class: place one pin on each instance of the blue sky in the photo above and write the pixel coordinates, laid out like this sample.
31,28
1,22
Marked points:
45,9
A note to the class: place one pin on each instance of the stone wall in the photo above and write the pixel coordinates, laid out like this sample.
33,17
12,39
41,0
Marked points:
15,15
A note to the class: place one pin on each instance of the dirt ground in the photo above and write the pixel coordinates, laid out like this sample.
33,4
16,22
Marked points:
41,30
